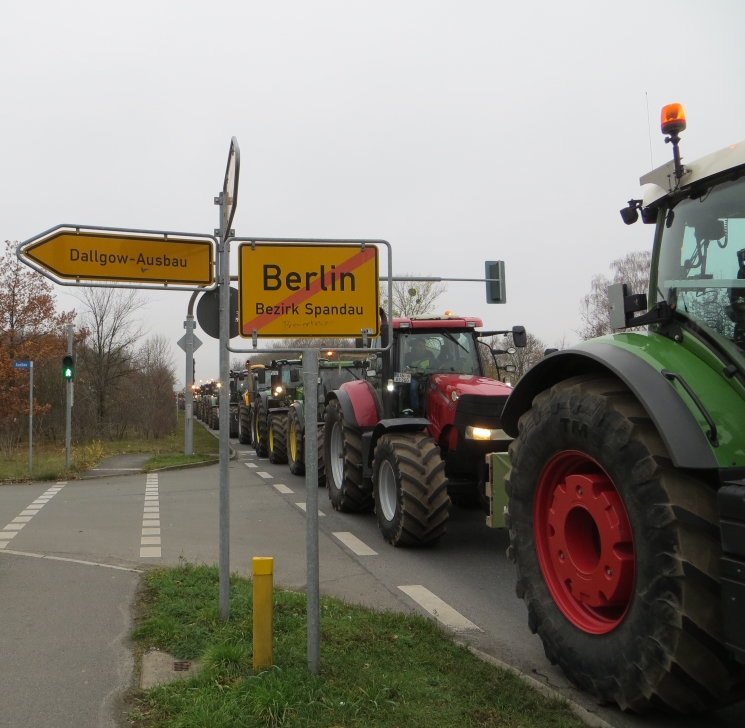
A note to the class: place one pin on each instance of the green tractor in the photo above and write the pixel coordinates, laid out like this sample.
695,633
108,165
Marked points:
626,493
251,381
331,375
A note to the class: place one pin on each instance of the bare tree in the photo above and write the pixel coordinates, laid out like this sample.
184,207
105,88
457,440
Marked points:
522,359
106,356
156,375
412,298
632,269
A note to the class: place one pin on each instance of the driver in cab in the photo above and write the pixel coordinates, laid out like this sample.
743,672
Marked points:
418,359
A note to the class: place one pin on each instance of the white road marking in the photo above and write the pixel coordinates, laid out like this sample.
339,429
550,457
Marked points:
30,512
441,611
14,526
72,561
262,474
5,535
150,536
303,507
26,515
3,544
22,519
282,488
251,465
352,542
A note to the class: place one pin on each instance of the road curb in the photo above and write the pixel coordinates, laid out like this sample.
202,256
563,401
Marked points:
581,712
186,466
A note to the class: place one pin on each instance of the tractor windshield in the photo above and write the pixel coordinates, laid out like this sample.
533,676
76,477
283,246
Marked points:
702,260
439,352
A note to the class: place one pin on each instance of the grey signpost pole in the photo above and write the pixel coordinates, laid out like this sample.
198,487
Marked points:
68,402
310,388
227,200
31,417
188,391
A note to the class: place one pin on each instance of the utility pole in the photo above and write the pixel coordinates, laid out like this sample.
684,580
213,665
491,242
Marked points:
31,417
68,403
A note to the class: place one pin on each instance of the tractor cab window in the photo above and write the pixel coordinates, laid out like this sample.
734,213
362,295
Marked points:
428,353
702,259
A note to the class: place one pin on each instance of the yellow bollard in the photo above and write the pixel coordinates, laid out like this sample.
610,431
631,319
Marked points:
263,572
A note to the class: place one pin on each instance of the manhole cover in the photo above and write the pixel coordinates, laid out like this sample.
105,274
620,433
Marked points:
181,666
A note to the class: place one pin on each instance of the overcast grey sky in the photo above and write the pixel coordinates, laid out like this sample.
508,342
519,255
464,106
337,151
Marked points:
457,131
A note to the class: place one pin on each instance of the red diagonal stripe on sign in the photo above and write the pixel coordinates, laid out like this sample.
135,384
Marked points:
357,260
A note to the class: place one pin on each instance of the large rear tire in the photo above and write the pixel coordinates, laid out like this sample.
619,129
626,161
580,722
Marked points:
244,426
295,442
411,498
261,434
321,455
617,552
343,457
277,440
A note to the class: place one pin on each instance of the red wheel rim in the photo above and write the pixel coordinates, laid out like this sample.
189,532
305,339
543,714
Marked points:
584,543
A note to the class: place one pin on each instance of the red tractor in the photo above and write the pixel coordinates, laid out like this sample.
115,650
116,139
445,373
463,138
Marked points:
414,434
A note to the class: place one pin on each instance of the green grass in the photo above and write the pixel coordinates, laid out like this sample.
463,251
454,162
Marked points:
378,669
49,460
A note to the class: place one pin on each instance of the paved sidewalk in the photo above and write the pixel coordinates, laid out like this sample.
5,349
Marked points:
117,465
63,638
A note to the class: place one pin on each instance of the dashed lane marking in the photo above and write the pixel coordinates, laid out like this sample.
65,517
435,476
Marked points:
264,475
28,513
282,488
302,506
354,544
440,610
150,547
251,465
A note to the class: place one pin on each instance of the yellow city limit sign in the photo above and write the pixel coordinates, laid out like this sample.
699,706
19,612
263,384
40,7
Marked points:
89,256
308,289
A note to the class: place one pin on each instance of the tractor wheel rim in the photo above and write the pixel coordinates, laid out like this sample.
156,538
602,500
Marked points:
584,542
337,455
293,443
387,490
271,437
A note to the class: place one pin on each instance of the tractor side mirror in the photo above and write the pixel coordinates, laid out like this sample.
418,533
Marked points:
519,337
294,374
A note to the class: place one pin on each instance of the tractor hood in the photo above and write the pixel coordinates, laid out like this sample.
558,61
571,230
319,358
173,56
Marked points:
460,384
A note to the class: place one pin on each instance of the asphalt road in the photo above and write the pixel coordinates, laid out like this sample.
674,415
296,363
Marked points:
136,521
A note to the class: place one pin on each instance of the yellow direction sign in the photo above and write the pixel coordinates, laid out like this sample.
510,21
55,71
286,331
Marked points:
307,289
147,257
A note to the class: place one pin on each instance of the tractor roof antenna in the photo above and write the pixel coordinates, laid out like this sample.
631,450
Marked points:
672,122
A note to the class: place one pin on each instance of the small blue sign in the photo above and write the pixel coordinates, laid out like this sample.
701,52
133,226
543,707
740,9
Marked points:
21,365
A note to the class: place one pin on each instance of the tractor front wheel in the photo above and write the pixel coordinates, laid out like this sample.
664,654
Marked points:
343,456
295,451
277,438
261,435
617,552
244,426
411,498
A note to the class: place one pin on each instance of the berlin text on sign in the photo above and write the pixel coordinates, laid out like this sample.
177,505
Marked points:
308,290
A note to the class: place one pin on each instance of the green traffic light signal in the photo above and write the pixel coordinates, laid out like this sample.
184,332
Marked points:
68,368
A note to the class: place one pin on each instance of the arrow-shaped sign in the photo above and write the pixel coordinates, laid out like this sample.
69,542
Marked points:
67,253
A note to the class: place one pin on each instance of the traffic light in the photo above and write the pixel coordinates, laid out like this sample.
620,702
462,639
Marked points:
68,367
496,291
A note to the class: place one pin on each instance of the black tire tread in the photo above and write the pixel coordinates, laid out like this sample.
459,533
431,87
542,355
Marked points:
424,505
244,436
261,445
297,466
278,426
354,495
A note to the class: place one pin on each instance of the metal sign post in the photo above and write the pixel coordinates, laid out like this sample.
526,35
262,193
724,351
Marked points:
189,343
227,201
68,402
30,366
312,559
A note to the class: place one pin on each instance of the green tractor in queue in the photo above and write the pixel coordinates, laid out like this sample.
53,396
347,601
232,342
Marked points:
625,484
270,404
331,375
251,381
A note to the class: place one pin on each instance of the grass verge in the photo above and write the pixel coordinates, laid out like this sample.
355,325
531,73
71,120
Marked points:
378,669
49,459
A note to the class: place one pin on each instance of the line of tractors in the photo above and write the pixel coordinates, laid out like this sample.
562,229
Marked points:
617,464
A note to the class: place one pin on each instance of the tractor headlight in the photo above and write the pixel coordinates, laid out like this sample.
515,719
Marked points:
484,433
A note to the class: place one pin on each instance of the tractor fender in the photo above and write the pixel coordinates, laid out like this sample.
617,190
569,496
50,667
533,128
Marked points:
681,433
399,424
277,410
358,403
